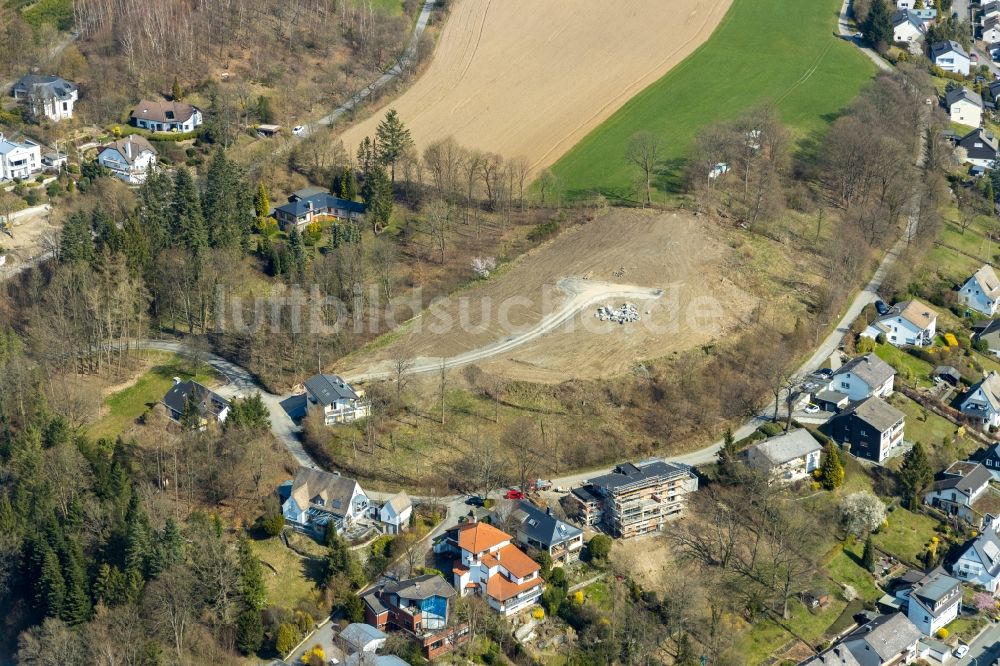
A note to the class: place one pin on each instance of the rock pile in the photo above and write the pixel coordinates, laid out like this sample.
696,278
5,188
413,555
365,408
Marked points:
627,313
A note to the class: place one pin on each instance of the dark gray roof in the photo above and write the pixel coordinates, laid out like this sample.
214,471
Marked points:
940,48
965,477
906,16
979,144
374,603
307,192
205,399
322,201
45,85
327,389
868,368
936,592
788,446
946,371
988,329
542,526
628,474
838,655
887,636
958,94
877,413
585,494
987,547
421,587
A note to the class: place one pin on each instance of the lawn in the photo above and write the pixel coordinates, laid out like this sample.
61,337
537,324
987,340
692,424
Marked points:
931,430
761,642
778,51
288,577
124,407
913,369
906,535
845,568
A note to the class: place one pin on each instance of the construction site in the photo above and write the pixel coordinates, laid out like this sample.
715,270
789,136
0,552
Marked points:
26,237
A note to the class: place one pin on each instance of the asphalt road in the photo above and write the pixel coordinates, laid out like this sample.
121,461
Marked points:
985,650
845,31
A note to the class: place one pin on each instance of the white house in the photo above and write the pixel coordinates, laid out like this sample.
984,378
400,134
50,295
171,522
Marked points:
964,106
360,638
906,323
130,159
908,30
980,563
395,513
491,566
190,394
933,601
988,10
336,399
862,377
165,116
991,29
49,96
905,4
959,490
951,57
981,292
982,402
888,640
317,498
786,457
19,159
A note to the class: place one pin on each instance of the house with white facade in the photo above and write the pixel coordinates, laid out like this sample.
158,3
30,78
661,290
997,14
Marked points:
540,529
862,377
933,601
317,498
888,640
906,323
951,57
787,457
335,399
963,490
19,159
964,106
981,404
991,29
908,30
130,159
48,96
395,513
979,564
490,565
981,292
163,116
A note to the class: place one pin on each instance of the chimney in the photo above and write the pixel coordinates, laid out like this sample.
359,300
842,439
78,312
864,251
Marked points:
548,510
128,148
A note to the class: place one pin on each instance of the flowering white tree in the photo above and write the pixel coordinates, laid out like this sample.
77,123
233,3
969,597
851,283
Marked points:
483,266
862,512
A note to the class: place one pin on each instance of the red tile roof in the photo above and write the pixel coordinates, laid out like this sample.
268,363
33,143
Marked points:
502,589
477,537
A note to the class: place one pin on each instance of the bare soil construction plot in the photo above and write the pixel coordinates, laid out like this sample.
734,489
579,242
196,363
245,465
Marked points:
536,319
35,233
532,77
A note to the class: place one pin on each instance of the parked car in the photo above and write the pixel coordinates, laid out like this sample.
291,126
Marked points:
881,307
961,651
514,495
299,130
474,500
812,409
824,373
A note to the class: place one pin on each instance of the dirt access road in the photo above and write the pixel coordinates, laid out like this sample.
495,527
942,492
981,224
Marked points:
533,77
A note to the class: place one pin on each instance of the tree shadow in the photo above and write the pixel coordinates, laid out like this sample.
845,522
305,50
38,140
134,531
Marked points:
669,176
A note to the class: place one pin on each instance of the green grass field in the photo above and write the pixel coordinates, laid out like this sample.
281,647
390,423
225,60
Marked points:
127,405
777,51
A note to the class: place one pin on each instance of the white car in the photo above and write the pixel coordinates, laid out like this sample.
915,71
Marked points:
812,409
299,130
961,651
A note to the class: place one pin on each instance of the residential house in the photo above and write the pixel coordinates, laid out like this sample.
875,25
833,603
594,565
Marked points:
317,498
864,376
539,529
927,14
130,159
981,292
307,204
787,457
906,323
19,159
872,427
951,57
933,601
991,29
990,458
55,161
989,332
335,399
636,498
209,405
905,4
46,95
490,565
981,404
988,10
964,106
908,30
395,513
963,490
585,506
163,116
359,637
980,148
887,640
993,91
420,607
979,564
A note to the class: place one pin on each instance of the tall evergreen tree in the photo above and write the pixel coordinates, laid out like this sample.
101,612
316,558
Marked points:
914,476
831,471
878,26
296,255
76,242
393,140
251,577
188,223
261,204
225,203
249,631
50,591
107,235
76,607
377,194
175,90
368,156
135,247
868,556
155,210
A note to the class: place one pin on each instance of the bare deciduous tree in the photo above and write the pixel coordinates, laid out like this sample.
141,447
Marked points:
643,152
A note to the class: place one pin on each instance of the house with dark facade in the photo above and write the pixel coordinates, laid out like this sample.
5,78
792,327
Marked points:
306,204
872,427
420,607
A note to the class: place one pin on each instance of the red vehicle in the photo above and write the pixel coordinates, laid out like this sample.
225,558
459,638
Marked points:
514,495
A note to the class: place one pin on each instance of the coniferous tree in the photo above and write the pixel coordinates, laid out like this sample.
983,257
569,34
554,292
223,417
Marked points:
225,206
106,232
175,90
248,413
368,156
377,194
249,631
261,204
878,26
188,224
296,255
348,185
831,472
76,242
914,475
50,591
393,141
868,556
156,211
76,606
135,247
251,577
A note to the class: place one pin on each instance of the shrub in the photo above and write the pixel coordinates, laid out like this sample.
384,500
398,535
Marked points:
942,633
865,345
599,547
544,230
771,429
538,614
287,638
272,525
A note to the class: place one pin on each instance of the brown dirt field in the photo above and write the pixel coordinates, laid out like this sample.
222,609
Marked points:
671,251
34,234
532,78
